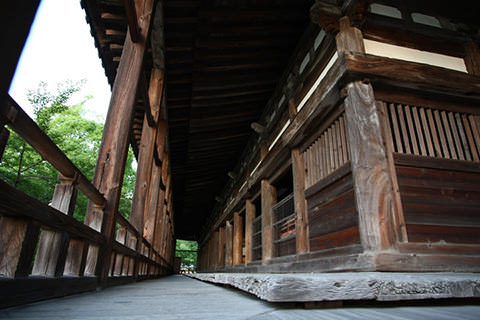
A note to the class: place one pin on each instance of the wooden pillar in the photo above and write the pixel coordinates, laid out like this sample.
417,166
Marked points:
228,244
372,184
53,245
269,198
215,237
249,217
237,238
113,151
472,58
221,247
146,169
301,214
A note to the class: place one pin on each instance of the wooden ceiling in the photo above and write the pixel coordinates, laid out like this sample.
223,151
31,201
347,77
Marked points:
223,59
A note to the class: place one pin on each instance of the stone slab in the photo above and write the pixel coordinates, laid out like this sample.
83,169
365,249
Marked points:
381,286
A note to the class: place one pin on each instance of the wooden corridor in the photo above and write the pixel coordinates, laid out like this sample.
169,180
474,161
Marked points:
179,297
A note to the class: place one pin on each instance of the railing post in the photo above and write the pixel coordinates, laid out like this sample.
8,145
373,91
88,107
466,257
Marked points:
269,198
301,214
53,245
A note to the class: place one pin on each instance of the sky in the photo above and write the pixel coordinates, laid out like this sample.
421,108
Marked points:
59,48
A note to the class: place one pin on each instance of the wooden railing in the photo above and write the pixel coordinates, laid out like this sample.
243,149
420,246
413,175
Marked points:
45,240
257,239
284,227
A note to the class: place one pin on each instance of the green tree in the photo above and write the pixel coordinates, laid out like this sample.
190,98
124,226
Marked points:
77,137
187,250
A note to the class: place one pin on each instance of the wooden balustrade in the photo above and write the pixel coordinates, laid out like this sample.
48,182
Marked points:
45,240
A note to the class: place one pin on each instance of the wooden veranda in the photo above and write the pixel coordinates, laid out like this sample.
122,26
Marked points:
283,136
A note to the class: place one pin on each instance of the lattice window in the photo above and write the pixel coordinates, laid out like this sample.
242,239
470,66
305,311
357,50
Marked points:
434,133
257,239
284,227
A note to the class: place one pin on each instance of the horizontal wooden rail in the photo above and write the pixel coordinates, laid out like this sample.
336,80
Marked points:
15,203
22,124
124,222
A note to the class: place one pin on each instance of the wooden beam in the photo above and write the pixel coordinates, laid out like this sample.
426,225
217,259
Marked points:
269,198
228,244
131,14
237,238
4,135
349,38
249,217
113,150
301,222
472,58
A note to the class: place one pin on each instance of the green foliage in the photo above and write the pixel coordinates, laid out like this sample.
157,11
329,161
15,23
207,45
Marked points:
77,137
189,256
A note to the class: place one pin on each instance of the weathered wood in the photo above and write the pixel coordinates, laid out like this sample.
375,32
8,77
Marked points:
349,38
237,238
372,183
228,244
18,239
214,249
131,14
113,150
269,198
249,217
380,286
301,222
76,254
472,58
53,245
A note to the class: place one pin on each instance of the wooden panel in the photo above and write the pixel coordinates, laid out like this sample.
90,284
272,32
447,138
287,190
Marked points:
440,205
332,215
269,198
249,217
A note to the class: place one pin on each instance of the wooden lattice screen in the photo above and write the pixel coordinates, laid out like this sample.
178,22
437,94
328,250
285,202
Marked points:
434,133
328,153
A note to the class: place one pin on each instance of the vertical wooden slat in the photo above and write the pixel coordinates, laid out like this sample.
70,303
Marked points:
411,130
441,134
344,139
396,129
463,137
426,131
456,138
341,161
470,138
249,217
403,126
301,216
331,150
327,154
73,264
448,133
418,127
436,143
237,238
269,198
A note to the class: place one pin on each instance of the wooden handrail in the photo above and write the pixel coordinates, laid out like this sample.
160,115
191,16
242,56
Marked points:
22,124
16,203
124,222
